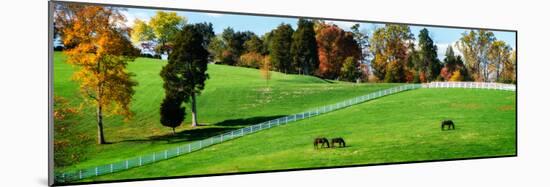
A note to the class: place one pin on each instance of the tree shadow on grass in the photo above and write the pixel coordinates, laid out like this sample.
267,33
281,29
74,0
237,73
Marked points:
246,121
186,135
204,131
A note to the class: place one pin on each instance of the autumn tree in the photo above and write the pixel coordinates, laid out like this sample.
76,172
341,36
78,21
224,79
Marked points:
303,50
508,74
427,56
391,45
499,55
101,49
172,113
475,46
142,34
280,48
265,70
334,45
251,60
252,57
185,74
161,29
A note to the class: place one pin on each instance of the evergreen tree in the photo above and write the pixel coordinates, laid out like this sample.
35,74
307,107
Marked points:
305,59
172,113
280,48
428,55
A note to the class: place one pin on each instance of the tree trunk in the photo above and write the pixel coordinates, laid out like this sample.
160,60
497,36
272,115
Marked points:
100,137
173,131
193,110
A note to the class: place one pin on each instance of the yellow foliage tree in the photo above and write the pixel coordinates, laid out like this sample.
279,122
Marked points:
101,50
265,69
457,76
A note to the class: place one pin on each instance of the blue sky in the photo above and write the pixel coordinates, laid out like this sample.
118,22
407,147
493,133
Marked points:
442,37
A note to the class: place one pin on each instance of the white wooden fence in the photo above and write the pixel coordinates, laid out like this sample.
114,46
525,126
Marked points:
474,85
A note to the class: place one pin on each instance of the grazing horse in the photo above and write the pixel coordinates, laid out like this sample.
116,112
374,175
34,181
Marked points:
321,141
339,141
448,123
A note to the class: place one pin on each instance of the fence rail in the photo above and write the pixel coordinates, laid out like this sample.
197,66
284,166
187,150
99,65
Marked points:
64,177
474,85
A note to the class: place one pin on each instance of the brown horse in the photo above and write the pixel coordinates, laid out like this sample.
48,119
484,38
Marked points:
339,141
448,123
321,141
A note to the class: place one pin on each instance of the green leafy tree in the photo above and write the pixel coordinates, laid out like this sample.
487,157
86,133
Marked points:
185,74
303,50
280,48
254,45
233,45
172,113
350,70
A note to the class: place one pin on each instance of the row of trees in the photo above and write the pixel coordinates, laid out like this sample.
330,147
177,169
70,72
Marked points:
327,51
314,48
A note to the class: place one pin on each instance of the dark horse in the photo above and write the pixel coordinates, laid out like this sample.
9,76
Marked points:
339,141
448,123
321,141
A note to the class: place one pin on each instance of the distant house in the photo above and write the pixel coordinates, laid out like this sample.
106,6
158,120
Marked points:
164,56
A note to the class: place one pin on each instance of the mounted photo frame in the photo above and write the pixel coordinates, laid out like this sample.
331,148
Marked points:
141,93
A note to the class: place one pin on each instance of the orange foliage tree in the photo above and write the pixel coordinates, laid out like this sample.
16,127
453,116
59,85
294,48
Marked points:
98,45
334,45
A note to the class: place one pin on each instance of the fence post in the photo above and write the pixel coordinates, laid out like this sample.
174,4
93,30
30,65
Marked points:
96,171
126,164
200,144
80,174
178,151
154,155
189,147
140,161
165,154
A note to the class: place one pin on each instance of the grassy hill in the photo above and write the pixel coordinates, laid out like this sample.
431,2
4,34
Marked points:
234,97
396,128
